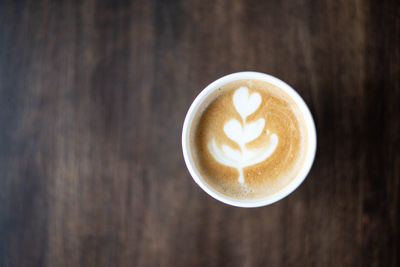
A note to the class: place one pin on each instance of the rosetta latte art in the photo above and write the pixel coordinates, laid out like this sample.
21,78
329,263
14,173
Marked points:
242,133
248,139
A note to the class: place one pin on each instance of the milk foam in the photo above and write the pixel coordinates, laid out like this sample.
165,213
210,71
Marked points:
242,133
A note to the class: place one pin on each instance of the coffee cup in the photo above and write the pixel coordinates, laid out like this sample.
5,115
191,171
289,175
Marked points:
237,108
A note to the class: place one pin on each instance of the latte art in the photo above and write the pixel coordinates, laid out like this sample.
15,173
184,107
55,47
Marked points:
248,139
245,105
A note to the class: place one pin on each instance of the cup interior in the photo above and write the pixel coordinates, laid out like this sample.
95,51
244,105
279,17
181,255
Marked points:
311,132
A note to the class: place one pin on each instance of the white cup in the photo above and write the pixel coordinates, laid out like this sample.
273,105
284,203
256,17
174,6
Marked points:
311,133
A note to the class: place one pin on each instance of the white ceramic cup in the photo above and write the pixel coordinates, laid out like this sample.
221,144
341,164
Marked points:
311,133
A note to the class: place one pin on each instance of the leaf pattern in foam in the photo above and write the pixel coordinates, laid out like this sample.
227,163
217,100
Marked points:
233,154
246,103
253,130
233,129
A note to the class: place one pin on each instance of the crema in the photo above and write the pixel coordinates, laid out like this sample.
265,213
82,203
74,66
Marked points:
248,139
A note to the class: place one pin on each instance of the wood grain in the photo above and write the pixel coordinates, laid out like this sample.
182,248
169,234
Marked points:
92,99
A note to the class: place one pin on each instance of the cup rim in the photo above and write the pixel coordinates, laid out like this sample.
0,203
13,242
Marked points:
311,133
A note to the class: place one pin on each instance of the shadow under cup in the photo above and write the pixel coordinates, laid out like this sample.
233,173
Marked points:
310,144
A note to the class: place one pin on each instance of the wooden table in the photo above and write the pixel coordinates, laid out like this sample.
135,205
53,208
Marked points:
92,99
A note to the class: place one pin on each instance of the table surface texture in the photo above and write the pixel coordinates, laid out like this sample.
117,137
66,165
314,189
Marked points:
93,95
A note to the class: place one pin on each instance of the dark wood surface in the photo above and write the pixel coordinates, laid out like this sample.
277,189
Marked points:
93,97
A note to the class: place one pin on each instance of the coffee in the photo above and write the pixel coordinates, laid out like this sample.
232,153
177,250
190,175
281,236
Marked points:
248,139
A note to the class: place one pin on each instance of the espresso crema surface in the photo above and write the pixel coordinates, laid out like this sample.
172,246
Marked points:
248,139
